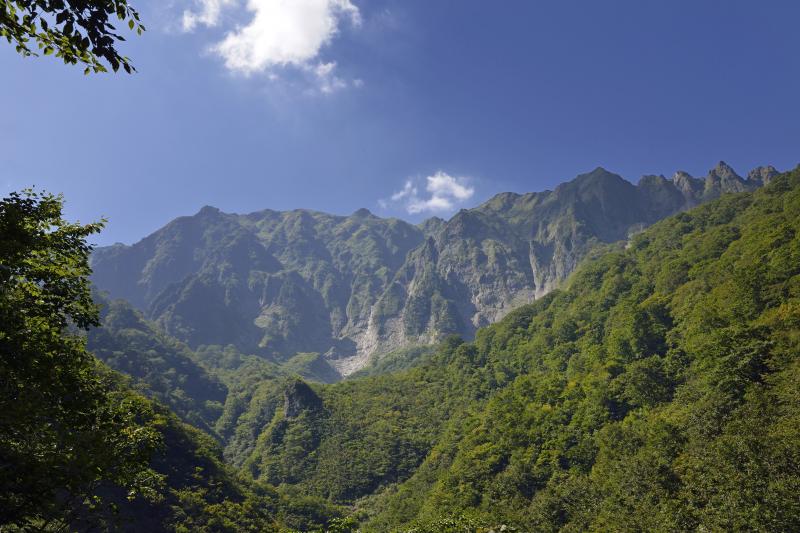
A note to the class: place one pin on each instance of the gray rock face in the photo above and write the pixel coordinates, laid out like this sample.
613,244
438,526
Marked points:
691,188
353,288
723,179
762,175
299,397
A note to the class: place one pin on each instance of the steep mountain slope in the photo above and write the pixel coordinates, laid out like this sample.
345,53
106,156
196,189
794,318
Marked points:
270,283
79,449
193,489
277,284
160,367
655,392
345,441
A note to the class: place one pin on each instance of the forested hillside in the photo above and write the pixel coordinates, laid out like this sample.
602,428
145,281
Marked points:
605,354
656,391
358,287
79,450
161,367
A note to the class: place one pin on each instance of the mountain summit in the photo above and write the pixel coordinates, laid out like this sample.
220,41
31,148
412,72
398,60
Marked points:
355,287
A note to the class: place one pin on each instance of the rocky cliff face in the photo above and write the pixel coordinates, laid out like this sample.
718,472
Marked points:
299,397
353,288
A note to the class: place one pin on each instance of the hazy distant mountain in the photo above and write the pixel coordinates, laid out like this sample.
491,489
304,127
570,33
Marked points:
351,287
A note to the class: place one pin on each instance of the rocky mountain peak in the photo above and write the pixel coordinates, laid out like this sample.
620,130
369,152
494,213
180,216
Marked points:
599,174
353,288
362,213
599,171
688,185
724,171
431,225
208,211
653,179
723,179
502,201
299,397
762,175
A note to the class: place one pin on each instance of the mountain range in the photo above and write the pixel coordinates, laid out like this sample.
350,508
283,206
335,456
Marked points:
655,389
354,288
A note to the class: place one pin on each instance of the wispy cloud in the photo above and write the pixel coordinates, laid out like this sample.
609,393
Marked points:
327,80
208,13
443,193
280,34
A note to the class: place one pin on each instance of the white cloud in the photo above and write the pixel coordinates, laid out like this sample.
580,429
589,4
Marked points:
408,191
441,184
444,193
280,34
208,13
283,32
326,79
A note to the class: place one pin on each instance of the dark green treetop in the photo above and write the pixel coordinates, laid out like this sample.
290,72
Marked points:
77,31
65,431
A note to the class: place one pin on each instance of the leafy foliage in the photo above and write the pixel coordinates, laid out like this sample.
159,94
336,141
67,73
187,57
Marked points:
77,31
78,449
64,431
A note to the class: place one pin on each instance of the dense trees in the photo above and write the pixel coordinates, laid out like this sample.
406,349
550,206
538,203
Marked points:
64,430
78,449
161,367
656,391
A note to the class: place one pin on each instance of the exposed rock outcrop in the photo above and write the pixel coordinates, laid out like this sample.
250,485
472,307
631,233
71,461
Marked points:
281,283
299,397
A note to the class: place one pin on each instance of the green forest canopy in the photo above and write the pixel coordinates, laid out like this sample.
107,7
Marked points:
656,391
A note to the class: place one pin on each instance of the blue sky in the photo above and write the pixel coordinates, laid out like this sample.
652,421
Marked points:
406,107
